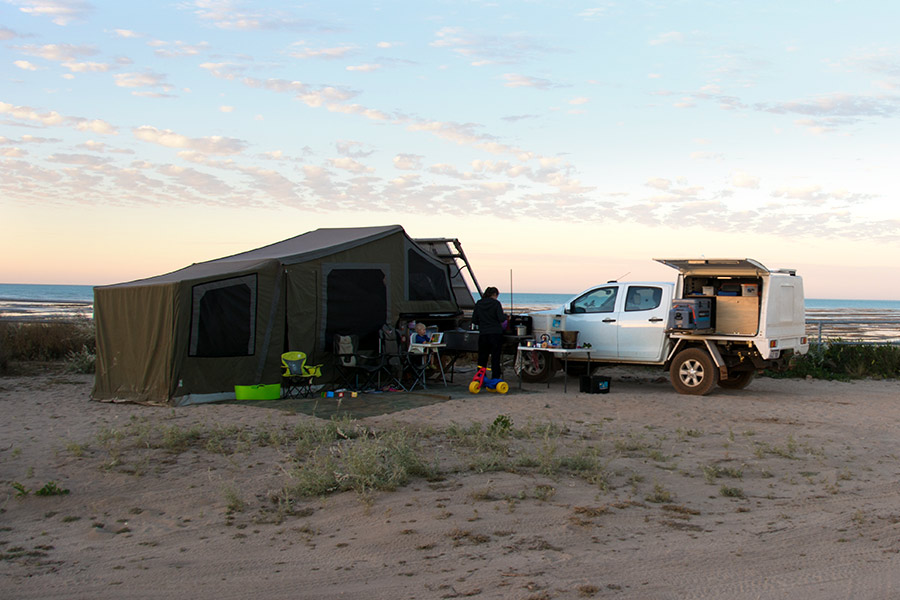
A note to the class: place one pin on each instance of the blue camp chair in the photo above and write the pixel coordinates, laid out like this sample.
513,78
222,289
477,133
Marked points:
297,377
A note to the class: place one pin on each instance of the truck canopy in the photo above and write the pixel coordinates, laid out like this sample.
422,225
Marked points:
734,267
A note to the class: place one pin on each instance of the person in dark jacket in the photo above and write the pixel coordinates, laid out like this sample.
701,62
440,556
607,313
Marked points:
489,318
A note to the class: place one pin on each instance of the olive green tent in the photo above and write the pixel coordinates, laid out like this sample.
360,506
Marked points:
191,335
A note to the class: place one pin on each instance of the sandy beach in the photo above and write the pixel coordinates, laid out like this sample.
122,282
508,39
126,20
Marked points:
787,489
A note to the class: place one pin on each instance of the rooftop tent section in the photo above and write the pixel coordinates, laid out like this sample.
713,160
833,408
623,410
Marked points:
450,252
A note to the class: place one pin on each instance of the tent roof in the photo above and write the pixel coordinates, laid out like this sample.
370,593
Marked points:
318,243
298,249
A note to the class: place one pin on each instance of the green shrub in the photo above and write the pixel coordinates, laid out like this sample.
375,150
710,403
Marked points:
83,361
45,341
834,360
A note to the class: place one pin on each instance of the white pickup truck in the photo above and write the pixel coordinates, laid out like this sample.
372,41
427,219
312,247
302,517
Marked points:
722,321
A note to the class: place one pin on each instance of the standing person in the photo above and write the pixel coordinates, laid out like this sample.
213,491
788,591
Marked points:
488,316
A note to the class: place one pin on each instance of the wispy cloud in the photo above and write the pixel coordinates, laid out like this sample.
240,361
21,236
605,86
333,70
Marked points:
366,68
248,16
217,145
671,37
61,12
303,51
484,49
53,118
515,80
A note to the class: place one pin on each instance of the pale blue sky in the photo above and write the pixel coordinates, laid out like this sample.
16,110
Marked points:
568,141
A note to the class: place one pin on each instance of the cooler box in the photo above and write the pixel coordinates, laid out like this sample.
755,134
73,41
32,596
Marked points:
691,314
594,384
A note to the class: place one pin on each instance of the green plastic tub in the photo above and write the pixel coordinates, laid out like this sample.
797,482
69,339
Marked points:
262,391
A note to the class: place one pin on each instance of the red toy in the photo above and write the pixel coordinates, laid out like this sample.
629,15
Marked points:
482,381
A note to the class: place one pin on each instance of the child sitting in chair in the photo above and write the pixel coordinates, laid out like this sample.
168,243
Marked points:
421,336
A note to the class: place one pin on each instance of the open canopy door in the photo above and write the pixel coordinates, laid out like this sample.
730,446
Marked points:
734,267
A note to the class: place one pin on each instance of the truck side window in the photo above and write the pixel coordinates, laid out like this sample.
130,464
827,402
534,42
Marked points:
601,300
642,298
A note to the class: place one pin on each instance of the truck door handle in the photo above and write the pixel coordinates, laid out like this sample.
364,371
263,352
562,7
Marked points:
655,320
609,320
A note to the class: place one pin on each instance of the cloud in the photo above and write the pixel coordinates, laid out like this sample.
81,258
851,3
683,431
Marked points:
87,67
177,49
26,113
325,53
61,12
386,45
95,125
232,15
226,109
58,52
667,38
7,34
579,100
126,33
367,68
408,162
843,106
141,80
484,49
208,145
25,65
348,164
743,179
516,80
353,149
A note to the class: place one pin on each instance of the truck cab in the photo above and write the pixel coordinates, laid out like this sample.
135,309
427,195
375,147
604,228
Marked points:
722,321
622,321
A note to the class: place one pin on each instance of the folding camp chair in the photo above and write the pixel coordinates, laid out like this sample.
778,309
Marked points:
350,365
391,358
297,377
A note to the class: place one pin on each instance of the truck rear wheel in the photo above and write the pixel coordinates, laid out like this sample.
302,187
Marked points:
537,367
737,381
693,372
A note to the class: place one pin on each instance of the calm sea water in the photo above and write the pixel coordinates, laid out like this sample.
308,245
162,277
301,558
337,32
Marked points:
530,300
18,293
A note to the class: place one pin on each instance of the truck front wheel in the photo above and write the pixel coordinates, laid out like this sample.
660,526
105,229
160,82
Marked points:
537,367
693,372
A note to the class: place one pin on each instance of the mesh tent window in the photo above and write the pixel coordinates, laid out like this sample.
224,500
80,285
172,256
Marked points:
356,302
223,317
427,281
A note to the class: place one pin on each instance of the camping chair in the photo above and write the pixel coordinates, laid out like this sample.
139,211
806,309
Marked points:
391,357
297,377
349,364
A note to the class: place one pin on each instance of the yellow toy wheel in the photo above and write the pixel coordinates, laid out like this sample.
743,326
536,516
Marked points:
474,387
502,387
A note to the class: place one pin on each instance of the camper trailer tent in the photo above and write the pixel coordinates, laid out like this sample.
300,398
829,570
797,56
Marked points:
191,335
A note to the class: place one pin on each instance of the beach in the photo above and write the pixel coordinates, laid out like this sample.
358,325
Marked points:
784,490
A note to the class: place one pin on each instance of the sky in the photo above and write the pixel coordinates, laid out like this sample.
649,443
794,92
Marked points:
563,143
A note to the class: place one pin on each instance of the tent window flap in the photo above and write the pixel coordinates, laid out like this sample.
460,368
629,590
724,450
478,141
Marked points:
223,317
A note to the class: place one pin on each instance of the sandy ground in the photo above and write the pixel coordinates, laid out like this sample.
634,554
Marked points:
788,489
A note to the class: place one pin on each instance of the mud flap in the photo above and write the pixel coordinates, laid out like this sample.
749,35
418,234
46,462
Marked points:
717,358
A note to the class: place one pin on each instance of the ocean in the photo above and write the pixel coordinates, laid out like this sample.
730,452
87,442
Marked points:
544,301
23,300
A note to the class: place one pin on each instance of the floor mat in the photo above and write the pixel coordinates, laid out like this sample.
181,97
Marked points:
364,405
